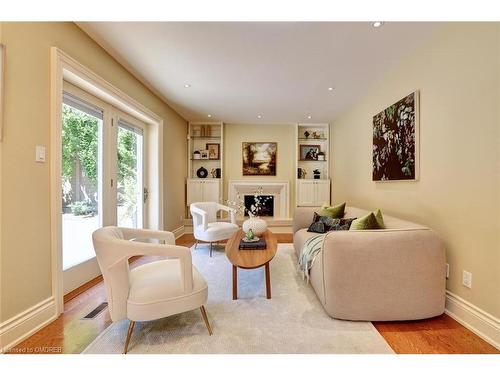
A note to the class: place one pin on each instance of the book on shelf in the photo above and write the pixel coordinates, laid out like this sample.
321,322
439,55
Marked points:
257,245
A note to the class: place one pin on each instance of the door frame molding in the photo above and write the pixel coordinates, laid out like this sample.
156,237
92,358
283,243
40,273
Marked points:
64,67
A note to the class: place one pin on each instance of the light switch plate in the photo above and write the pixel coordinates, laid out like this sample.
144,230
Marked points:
40,154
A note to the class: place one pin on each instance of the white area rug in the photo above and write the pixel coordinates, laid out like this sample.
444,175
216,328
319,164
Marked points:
293,321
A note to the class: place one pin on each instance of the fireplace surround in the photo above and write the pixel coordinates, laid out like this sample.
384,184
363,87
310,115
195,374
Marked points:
280,191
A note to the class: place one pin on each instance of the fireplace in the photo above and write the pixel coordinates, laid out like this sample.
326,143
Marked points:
267,204
237,189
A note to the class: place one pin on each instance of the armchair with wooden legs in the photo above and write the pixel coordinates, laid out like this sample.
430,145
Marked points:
151,291
206,228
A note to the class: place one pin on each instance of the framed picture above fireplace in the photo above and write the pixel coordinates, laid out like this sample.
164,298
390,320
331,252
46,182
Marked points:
259,159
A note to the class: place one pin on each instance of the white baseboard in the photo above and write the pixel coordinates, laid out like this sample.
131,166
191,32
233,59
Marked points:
25,324
179,231
472,317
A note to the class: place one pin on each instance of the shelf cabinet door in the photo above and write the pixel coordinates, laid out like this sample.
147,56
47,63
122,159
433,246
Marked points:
313,192
322,193
210,189
194,191
305,193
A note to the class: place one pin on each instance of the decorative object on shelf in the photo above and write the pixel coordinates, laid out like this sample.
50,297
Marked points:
321,155
309,152
202,130
208,131
202,172
204,154
218,173
196,132
317,174
213,150
301,173
213,173
307,134
259,159
396,141
316,135
196,155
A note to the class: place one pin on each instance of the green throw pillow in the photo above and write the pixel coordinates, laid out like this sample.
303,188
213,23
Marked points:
370,221
380,219
337,212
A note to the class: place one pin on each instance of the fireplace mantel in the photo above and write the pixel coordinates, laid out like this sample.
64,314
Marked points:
279,189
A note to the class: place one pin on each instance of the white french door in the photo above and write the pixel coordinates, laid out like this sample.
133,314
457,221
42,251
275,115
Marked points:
103,173
131,194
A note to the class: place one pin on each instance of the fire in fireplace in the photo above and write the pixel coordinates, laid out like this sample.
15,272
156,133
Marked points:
267,207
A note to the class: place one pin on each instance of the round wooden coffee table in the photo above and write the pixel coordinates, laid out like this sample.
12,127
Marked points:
250,259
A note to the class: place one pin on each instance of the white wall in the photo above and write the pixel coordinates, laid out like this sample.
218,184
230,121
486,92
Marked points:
458,193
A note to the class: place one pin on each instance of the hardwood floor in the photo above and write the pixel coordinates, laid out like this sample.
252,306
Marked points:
70,334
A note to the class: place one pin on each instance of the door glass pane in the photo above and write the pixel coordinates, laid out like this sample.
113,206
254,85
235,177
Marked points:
129,177
81,183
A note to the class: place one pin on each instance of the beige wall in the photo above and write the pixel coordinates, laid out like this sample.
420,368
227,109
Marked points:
284,134
458,193
25,210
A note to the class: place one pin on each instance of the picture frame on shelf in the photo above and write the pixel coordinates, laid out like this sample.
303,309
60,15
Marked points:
213,151
204,154
309,152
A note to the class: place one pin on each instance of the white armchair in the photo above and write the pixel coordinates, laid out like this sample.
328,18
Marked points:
154,290
205,225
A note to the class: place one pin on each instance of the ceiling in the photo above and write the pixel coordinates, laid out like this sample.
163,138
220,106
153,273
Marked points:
238,71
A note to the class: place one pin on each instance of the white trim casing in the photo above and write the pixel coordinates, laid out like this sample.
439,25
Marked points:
472,317
63,67
23,325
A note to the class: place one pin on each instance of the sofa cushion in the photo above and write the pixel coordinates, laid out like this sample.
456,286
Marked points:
336,212
342,224
322,224
380,219
366,222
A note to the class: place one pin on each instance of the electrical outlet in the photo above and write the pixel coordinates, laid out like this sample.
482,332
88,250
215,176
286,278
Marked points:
467,279
447,270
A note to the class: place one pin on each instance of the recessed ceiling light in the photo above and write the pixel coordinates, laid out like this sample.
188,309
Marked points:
330,88
309,117
187,85
209,115
259,116
377,24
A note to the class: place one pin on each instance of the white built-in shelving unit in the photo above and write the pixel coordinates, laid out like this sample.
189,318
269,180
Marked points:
201,135
312,154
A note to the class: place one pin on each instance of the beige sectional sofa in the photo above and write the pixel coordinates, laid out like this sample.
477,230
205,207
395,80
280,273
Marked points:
397,273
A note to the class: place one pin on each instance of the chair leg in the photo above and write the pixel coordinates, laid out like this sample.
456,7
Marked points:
205,318
211,246
195,244
129,334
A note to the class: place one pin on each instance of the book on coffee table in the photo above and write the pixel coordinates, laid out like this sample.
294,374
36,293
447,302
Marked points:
257,245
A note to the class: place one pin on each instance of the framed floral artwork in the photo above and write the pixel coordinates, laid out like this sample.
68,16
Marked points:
396,141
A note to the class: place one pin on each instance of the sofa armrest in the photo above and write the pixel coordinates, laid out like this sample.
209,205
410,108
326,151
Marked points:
302,217
384,274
